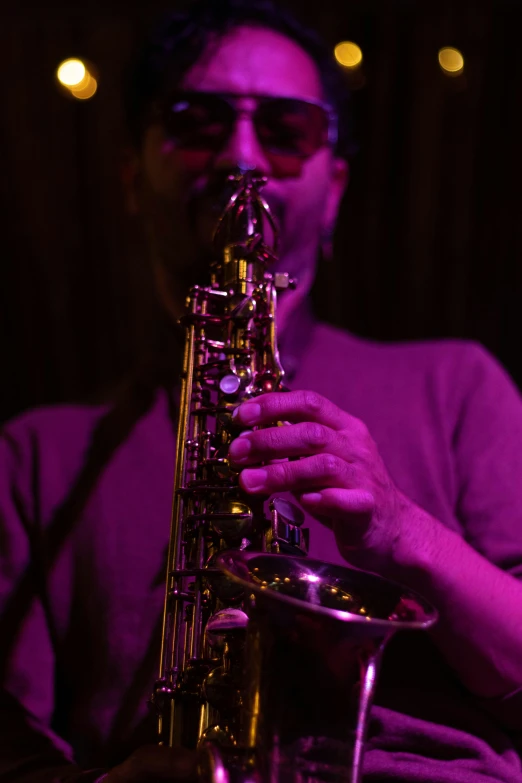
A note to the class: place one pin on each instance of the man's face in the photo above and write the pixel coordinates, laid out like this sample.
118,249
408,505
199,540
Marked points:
177,190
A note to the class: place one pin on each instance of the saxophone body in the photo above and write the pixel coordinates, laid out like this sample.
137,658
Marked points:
268,658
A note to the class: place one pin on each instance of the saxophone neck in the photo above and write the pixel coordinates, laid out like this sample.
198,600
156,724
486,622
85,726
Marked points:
245,238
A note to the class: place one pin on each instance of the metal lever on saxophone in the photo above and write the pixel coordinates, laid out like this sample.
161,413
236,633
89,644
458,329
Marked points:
286,533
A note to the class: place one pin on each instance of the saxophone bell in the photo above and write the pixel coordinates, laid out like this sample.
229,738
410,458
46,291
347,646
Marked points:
315,640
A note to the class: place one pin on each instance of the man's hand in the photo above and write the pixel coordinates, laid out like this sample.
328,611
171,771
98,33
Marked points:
153,763
340,477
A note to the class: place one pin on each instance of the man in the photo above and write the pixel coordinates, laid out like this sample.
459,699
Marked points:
432,497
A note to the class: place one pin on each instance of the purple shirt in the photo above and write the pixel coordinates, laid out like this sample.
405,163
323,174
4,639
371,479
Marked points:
85,497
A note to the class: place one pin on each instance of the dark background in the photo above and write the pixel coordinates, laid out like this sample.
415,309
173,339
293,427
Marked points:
429,239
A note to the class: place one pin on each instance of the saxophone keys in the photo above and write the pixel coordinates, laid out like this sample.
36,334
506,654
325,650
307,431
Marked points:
224,624
286,533
282,281
222,689
232,520
287,512
220,585
230,384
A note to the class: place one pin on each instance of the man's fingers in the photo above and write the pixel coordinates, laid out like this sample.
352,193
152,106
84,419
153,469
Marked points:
347,512
319,471
298,440
338,502
295,407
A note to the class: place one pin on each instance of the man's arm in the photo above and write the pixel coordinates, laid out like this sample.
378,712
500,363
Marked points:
480,625
341,479
30,751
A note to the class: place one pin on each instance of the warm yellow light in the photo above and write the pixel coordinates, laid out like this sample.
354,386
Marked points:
77,77
71,73
85,91
348,54
451,61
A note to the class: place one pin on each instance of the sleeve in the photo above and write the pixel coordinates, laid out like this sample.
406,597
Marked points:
488,455
488,450
29,750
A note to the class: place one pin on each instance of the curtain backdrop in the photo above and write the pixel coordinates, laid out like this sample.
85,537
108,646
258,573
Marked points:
429,237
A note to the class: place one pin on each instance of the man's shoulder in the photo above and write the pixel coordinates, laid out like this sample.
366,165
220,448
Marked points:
72,425
430,355
53,437
55,422
56,446
452,371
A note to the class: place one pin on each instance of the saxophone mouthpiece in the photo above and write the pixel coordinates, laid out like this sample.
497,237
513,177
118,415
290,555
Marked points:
246,214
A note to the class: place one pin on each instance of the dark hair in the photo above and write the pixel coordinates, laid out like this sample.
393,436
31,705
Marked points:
179,40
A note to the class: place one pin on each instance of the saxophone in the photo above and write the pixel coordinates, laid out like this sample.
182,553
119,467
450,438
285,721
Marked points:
268,658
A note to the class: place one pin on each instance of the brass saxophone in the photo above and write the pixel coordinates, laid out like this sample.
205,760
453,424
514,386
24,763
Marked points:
268,658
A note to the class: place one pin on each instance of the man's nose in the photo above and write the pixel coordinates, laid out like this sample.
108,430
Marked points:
243,148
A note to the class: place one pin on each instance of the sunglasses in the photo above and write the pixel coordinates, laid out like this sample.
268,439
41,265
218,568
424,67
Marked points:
285,127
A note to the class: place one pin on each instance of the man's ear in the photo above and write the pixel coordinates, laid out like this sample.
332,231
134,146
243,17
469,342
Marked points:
339,178
130,170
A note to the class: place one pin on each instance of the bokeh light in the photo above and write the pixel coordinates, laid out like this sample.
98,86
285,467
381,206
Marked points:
348,54
76,77
451,61
71,72
87,90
